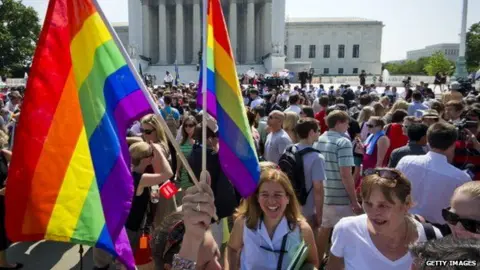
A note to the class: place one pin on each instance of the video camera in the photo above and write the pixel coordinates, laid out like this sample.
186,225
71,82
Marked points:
462,125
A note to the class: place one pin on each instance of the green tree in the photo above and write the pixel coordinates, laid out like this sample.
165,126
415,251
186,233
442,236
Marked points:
439,63
19,29
473,48
409,67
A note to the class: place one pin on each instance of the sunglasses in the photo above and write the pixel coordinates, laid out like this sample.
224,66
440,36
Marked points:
174,236
147,131
470,225
189,125
385,173
370,125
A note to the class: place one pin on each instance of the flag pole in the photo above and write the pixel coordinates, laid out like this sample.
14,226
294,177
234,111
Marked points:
204,86
147,95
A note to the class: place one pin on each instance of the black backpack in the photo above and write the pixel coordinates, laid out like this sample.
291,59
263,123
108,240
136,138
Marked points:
291,163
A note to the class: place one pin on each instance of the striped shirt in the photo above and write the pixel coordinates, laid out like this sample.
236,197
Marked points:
338,152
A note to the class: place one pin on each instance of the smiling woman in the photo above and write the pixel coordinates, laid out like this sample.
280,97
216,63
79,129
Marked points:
380,238
269,226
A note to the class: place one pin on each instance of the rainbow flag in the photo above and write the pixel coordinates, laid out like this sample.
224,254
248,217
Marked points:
69,179
225,103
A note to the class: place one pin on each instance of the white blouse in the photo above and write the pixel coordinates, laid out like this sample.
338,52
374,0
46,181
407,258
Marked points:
259,252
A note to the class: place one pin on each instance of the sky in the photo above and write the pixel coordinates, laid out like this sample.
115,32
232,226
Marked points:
409,24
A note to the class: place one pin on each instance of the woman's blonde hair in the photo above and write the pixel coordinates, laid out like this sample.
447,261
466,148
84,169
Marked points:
289,124
471,189
250,208
365,114
379,109
399,105
152,120
291,119
139,151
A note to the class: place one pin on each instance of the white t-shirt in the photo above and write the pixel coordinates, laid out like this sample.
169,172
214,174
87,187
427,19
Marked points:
351,241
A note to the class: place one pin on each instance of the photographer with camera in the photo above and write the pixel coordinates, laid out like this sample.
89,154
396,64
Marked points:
467,146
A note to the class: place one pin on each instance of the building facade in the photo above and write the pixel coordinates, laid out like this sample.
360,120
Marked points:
450,50
335,46
170,31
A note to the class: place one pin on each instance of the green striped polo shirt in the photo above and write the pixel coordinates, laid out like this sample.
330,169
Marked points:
338,152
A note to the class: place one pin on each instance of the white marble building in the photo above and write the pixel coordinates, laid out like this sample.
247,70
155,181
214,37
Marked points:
335,46
450,50
169,31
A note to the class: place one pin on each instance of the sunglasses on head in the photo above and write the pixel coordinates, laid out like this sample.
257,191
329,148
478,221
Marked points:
174,236
385,173
147,131
470,225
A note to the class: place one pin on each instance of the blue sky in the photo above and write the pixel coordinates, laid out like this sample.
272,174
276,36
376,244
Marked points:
409,24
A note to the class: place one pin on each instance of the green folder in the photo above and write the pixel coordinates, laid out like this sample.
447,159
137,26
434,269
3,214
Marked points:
298,257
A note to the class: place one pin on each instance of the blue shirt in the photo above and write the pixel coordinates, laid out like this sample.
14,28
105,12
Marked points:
169,110
415,107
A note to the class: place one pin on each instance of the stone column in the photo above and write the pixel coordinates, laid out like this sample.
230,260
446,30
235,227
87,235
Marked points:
197,31
180,32
162,33
250,32
232,28
135,17
267,28
146,28
461,65
278,25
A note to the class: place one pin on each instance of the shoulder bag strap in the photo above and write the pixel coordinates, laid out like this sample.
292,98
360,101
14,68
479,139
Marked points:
282,252
429,231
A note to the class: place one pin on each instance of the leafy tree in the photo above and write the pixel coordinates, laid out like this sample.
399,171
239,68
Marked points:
439,63
473,48
19,29
408,67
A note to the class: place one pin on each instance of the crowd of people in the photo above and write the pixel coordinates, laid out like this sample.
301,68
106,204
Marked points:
350,179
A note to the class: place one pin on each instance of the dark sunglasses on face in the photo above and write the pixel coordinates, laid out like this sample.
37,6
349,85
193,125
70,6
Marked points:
147,131
175,236
470,225
189,125
370,125
385,173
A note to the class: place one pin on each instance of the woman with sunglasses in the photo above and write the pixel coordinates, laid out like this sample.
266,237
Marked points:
186,145
378,239
269,226
463,215
152,131
376,145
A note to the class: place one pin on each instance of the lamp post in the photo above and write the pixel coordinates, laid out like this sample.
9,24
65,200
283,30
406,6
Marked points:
461,66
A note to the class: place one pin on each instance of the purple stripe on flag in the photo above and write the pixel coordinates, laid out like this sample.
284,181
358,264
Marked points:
123,249
240,177
117,191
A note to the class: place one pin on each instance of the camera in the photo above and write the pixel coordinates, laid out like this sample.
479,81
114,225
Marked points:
462,125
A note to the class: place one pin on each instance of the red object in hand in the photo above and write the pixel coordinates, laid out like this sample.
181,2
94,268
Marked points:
168,189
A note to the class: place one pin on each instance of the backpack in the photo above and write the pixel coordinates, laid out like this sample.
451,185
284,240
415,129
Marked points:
172,123
291,163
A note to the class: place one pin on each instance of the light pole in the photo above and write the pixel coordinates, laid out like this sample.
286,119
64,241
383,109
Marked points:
461,66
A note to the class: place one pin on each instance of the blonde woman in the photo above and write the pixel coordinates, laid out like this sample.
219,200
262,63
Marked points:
291,119
152,131
266,221
363,117
379,109
398,105
463,215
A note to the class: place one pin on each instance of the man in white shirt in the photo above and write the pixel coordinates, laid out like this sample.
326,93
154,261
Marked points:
294,107
432,177
168,80
255,99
